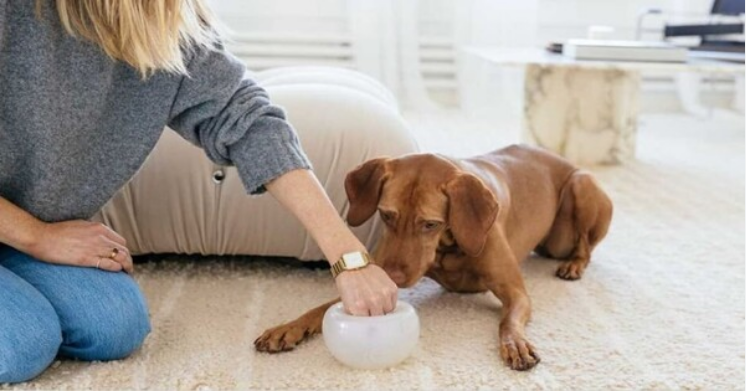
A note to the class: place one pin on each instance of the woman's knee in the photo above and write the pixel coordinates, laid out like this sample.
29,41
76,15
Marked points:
27,351
111,328
30,335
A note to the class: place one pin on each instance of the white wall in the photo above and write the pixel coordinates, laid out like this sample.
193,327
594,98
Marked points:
365,35
318,16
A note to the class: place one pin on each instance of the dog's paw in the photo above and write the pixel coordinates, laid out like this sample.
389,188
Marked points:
517,352
284,337
571,270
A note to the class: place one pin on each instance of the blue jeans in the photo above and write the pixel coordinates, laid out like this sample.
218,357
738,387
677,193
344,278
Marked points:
48,310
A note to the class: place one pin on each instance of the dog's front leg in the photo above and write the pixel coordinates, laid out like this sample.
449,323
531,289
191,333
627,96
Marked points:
502,276
286,336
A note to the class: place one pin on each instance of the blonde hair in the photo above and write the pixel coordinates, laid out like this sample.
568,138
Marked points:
149,35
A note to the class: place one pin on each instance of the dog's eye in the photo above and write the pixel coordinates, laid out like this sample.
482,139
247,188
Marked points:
386,216
431,225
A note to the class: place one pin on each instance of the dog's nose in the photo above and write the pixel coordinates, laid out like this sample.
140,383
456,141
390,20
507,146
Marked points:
396,275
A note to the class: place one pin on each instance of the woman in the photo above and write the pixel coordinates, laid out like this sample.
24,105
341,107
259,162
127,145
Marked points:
86,86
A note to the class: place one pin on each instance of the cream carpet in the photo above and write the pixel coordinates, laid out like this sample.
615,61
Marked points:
661,306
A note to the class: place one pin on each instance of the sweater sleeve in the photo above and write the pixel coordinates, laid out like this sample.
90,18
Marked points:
231,118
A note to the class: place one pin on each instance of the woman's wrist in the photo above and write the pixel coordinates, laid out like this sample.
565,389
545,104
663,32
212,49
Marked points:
29,240
339,243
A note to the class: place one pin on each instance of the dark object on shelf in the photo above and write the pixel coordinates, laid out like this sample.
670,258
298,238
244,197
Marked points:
719,46
554,47
712,45
702,30
728,7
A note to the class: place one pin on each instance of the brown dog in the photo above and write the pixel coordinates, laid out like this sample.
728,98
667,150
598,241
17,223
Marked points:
467,224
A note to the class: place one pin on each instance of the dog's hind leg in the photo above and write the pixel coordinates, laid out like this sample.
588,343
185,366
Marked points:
581,223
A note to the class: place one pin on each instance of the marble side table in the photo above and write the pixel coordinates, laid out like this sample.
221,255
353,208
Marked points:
584,110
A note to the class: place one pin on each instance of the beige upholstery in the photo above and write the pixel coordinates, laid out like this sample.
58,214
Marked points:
175,205
328,76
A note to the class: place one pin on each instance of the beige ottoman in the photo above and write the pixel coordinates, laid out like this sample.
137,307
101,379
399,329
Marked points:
327,76
180,202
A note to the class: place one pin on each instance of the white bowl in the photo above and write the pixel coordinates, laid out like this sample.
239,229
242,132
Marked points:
371,342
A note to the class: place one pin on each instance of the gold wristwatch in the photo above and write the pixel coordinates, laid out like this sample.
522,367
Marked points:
350,261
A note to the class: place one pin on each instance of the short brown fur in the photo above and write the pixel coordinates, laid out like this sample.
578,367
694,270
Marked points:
467,224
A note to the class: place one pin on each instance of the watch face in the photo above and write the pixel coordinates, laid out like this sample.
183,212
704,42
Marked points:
354,260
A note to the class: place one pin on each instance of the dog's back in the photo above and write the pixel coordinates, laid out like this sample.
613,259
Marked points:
527,182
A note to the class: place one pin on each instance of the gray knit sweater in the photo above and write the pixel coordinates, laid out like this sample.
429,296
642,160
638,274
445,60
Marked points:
75,126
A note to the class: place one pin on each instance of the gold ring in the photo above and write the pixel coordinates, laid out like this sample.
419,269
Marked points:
114,253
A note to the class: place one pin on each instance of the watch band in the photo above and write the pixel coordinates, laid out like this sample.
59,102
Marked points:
341,265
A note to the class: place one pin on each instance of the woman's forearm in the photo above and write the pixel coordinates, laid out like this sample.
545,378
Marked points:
300,192
18,228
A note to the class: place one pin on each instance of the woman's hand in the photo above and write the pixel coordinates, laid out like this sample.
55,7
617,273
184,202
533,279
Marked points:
367,291
82,243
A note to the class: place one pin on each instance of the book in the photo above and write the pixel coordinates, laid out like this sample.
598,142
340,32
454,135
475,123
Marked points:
583,49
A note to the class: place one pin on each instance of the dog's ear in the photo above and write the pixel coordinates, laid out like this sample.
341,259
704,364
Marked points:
472,209
363,186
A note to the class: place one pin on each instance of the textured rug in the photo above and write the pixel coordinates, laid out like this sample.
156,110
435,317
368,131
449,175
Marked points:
661,306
